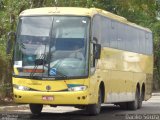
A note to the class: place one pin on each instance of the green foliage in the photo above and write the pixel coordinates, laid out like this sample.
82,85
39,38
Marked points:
5,90
142,12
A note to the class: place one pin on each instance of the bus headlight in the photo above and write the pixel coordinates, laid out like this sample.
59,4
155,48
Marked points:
19,87
77,88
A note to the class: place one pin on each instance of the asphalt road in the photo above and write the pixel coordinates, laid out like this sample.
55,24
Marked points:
149,111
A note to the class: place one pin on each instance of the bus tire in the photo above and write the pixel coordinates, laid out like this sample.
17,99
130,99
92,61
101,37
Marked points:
36,108
94,109
141,96
134,104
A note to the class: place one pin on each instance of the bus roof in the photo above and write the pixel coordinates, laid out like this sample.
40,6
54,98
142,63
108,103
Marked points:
77,11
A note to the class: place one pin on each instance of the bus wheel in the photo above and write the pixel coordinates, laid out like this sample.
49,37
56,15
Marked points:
36,108
134,104
140,101
95,109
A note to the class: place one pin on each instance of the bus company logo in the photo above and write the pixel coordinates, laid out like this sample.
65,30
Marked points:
48,87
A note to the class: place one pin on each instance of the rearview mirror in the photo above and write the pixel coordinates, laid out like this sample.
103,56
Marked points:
97,51
10,42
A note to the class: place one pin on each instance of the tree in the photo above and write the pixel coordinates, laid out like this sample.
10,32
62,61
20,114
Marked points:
142,12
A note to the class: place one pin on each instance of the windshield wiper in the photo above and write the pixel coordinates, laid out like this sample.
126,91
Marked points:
38,62
61,74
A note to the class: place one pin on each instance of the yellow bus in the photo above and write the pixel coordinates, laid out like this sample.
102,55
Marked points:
82,57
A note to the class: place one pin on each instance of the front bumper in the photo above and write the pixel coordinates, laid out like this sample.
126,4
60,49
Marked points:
59,98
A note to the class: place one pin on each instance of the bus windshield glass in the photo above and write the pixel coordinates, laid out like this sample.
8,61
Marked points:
58,43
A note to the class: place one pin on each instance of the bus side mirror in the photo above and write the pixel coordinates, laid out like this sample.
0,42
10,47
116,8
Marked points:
10,42
97,51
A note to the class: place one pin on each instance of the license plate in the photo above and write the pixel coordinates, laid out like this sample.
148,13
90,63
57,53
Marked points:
48,98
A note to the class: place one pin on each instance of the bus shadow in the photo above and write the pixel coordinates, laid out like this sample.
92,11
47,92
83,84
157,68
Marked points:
106,111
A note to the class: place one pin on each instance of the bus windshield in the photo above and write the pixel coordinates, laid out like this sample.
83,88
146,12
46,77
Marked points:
61,42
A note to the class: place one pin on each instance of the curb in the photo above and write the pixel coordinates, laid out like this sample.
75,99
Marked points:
155,94
16,107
